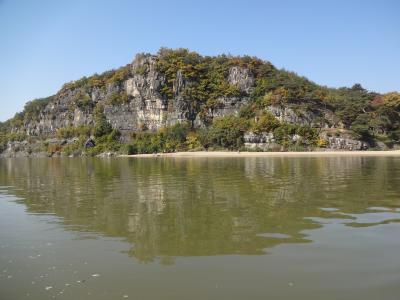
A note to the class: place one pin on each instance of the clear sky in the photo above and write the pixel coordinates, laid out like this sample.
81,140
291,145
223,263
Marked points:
44,44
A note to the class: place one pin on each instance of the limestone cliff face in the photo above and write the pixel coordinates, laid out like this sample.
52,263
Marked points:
145,108
160,90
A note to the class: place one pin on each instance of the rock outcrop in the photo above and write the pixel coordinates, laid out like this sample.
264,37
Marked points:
146,107
267,141
160,90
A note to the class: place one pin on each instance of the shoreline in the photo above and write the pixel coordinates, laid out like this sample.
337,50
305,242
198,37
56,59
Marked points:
270,154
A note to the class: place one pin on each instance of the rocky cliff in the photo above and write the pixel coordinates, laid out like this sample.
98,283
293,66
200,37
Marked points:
177,86
144,106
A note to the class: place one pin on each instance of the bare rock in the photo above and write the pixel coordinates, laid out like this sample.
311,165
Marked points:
242,78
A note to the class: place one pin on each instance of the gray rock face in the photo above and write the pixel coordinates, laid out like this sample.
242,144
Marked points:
230,106
288,115
338,143
265,137
147,108
16,147
144,107
266,141
242,78
23,149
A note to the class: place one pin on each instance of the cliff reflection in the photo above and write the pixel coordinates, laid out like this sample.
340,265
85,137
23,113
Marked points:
168,207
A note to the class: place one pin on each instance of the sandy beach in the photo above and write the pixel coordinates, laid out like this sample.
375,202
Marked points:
269,154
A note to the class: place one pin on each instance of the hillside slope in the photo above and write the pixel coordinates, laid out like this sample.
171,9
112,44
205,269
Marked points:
180,100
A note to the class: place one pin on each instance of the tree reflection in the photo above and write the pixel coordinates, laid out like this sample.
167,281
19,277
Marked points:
167,207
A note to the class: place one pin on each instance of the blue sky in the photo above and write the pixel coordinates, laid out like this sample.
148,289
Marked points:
44,44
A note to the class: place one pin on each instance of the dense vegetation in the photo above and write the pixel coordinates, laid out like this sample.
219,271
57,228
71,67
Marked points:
99,81
202,82
367,114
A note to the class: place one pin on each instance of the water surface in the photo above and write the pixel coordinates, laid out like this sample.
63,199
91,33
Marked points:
200,228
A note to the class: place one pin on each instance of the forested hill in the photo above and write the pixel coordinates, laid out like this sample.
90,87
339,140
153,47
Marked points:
178,100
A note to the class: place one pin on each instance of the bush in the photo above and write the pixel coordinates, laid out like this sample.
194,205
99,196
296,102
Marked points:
16,137
362,127
75,147
166,139
174,136
145,142
193,141
228,132
247,112
3,142
33,109
117,98
82,101
102,126
392,100
361,131
53,148
204,138
71,132
119,75
265,123
321,143
128,149
307,132
106,143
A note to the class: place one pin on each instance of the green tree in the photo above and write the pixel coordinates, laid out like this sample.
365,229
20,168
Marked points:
265,123
228,132
102,126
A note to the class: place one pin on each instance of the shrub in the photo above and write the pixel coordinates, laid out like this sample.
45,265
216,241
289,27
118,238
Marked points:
228,132
117,98
53,148
280,96
33,109
205,138
145,142
361,131
71,132
193,141
307,132
175,134
119,75
362,127
128,149
106,142
321,143
102,126
392,100
265,123
3,142
166,139
247,112
16,137
82,101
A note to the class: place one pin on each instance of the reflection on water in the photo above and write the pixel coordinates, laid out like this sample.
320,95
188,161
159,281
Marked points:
166,208
187,207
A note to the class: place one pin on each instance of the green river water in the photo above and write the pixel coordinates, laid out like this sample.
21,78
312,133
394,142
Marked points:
200,228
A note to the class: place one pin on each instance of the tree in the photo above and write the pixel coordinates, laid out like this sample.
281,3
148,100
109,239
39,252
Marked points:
265,123
102,126
392,100
228,132
361,126
357,87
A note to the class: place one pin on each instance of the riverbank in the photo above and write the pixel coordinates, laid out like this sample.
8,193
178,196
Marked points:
268,154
